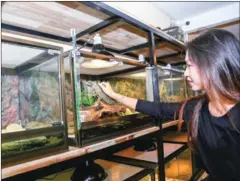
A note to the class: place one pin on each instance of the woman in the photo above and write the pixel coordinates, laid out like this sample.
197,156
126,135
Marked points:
213,119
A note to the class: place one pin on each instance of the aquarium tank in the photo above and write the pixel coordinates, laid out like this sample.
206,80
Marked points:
32,113
92,116
172,86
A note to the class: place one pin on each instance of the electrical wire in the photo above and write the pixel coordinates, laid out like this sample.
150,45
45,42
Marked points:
86,42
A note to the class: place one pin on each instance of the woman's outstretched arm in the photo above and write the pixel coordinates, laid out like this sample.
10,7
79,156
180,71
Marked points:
127,101
161,110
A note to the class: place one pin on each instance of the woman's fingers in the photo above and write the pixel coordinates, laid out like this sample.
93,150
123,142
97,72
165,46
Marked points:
102,86
105,84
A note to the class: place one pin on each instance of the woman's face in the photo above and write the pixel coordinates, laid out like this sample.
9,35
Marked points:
192,75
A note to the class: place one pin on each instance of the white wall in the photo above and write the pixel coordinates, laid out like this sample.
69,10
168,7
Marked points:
145,12
213,18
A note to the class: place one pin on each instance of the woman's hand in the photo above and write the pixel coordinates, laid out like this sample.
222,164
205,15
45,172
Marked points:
127,101
107,89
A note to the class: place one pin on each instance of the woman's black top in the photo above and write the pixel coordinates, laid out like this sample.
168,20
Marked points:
218,141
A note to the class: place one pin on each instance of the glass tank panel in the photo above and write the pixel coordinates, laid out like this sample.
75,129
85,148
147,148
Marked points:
69,103
26,146
179,168
31,101
39,96
172,87
93,96
111,116
95,115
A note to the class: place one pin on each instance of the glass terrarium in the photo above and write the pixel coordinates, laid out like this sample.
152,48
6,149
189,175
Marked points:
172,86
93,116
179,168
32,113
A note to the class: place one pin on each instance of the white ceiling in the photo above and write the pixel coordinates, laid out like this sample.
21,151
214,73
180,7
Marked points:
202,15
182,10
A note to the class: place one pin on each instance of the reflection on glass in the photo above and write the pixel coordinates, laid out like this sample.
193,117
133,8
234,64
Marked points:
95,104
172,90
92,115
69,97
30,100
172,87
180,168
39,96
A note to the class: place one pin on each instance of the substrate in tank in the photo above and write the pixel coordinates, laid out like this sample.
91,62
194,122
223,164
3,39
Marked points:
30,99
30,103
25,146
95,104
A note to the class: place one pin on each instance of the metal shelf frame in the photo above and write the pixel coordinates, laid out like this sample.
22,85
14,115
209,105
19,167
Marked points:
99,154
154,36
115,16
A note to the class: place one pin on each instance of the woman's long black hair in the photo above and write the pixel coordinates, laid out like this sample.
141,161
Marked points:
217,55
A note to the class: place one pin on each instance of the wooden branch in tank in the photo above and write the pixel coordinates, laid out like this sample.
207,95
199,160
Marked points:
101,110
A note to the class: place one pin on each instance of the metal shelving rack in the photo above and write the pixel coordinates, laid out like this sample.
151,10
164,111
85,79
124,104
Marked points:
154,37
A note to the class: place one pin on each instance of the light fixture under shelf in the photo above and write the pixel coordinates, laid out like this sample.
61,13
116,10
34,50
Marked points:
100,64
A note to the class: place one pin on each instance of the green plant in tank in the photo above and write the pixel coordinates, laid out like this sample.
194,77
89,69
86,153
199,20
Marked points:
87,100
86,97
30,145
